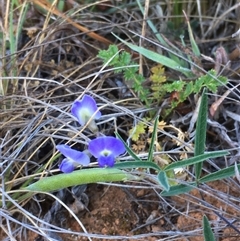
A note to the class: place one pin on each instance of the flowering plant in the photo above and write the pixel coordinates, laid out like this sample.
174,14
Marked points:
106,149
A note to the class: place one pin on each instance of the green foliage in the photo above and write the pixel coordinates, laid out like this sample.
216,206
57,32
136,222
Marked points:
200,137
152,144
163,180
173,63
159,88
199,153
164,175
116,59
207,231
137,131
158,78
177,61
185,88
122,63
9,42
177,12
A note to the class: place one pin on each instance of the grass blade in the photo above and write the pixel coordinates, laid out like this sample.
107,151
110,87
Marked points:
194,45
201,132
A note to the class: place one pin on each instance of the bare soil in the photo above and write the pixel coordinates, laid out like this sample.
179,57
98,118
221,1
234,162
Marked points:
140,214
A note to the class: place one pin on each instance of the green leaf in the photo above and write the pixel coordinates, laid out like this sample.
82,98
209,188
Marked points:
195,160
188,90
178,189
137,131
84,176
156,57
106,55
207,231
129,151
219,175
177,85
125,58
137,164
212,82
201,129
198,84
163,180
154,133
194,45
152,26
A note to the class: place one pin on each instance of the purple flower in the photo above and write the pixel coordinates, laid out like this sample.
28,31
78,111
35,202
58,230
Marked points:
73,158
83,110
106,149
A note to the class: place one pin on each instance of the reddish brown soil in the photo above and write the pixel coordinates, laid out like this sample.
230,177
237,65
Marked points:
113,211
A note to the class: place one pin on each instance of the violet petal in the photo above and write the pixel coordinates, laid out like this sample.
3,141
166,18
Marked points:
108,143
104,161
84,109
66,166
74,155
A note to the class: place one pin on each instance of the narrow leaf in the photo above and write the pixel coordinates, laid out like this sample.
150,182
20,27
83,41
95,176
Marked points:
163,180
156,57
194,45
154,136
129,151
137,164
195,160
207,231
161,39
201,129
178,189
219,175
236,172
152,26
